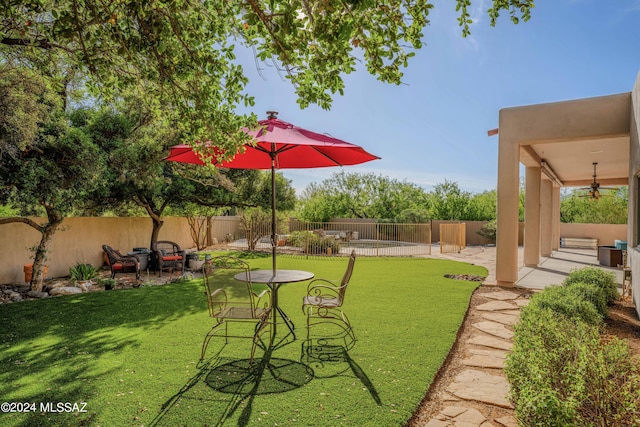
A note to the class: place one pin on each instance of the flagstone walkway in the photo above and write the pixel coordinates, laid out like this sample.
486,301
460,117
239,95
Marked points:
472,390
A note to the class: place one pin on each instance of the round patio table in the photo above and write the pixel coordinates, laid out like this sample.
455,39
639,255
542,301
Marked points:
274,282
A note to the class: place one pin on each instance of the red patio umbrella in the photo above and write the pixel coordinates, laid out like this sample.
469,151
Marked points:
281,145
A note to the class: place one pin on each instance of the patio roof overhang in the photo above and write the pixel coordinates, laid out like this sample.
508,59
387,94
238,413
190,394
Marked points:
566,138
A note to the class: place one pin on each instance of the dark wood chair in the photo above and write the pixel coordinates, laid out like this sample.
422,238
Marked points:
121,263
166,255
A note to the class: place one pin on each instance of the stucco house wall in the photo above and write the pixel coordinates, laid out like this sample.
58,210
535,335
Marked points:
633,250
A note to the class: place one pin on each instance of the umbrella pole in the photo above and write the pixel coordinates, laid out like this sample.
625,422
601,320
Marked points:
273,212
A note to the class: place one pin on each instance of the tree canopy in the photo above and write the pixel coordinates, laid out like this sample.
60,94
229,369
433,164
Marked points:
360,195
181,54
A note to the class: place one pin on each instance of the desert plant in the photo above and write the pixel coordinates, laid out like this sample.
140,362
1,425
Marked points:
108,283
81,271
488,231
311,243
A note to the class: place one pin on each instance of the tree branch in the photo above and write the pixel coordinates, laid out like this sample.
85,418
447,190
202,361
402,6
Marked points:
41,43
23,220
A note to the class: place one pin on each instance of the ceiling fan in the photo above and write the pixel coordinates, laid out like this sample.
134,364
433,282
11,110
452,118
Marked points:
594,188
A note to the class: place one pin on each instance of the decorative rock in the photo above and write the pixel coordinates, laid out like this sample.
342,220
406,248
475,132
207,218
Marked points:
13,296
59,284
495,329
66,290
85,286
480,386
37,294
495,306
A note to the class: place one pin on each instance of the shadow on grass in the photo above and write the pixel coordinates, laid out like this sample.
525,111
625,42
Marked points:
56,342
243,381
328,356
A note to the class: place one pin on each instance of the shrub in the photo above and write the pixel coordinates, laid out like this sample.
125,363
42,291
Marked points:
311,243
562,373
605,279
545,367
569,302
489,230
612,386
592,293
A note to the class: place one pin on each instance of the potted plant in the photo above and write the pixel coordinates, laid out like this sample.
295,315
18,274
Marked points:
82,274
195,263
108,283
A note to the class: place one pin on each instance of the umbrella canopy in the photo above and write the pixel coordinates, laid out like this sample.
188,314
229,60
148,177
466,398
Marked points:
290,146
281,145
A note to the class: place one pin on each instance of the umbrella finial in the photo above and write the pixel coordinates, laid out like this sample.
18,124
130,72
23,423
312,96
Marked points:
272,114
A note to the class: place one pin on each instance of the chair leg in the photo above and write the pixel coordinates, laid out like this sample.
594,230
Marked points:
208,337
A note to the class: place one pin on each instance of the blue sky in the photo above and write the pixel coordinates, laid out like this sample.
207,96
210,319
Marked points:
434,126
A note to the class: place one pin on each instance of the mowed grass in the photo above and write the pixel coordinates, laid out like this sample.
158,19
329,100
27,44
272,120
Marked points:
132,355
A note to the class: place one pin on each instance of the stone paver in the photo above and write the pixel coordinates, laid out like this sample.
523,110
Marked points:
485,358
461,416
472,384
495,329
515,312
490,341
507,421
522,302
502,295
496,306
505,319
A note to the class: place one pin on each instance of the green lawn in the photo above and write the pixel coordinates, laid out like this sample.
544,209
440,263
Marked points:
132,355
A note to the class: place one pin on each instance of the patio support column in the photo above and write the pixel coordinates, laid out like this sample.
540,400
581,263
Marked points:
507,218
532,216
555,234
546,214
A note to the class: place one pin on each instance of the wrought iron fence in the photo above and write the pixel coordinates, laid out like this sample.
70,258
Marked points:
337,238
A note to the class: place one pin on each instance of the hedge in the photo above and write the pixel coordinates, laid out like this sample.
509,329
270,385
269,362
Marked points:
561,370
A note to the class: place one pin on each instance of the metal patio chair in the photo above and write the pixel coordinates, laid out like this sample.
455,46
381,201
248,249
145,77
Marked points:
324,299
219,282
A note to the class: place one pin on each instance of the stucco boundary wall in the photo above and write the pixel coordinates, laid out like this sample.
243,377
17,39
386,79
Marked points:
80,239
606,234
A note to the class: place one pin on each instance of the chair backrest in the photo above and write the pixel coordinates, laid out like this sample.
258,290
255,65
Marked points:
166,247
219,274
347,275
113,255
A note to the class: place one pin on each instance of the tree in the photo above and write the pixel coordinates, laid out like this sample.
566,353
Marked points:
576,206
483,206
449,202
58,174
181,53
26,100
361,195
135,141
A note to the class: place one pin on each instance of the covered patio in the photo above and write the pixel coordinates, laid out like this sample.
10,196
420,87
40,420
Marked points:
558,144
554,269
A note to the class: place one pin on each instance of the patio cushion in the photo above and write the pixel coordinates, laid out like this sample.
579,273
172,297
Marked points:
172,258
